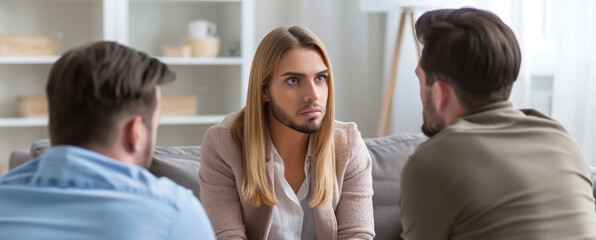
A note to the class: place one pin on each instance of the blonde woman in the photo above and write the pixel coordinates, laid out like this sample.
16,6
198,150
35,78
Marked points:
282,167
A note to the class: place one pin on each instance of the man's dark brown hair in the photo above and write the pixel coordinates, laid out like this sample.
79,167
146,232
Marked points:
91,88
472,50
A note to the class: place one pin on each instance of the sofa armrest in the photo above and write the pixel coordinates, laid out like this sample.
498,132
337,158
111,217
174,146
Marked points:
180,164
18,157
21,156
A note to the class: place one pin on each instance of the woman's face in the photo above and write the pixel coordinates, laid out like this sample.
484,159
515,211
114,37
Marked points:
297,95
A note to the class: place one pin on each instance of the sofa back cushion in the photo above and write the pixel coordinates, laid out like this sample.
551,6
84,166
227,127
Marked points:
389,154
180,164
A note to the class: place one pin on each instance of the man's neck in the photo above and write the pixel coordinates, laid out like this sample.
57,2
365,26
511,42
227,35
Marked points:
289,143
453,115
112,152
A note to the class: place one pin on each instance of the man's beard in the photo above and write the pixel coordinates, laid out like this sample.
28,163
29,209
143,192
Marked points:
433,124
310,127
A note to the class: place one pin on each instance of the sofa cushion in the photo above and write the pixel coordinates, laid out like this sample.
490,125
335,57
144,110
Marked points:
389,154
180,164
18,157
39,147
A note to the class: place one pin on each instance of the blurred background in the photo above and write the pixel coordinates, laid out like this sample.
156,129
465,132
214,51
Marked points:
210,44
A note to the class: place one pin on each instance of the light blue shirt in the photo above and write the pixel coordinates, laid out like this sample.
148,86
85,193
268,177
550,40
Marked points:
74,193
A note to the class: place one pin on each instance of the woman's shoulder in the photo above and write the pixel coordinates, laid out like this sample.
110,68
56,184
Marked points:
220,134
349,145
226,123
346,134
219,150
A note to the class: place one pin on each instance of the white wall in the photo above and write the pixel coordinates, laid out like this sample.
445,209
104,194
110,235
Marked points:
406,111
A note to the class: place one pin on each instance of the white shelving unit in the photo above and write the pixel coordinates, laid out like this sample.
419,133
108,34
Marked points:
28,60
219,83
168,60
172,120
202,61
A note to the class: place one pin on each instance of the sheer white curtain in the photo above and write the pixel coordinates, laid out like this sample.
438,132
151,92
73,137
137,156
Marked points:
574,91
558,75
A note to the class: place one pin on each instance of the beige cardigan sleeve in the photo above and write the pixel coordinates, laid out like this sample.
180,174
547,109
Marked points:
218,192
354,212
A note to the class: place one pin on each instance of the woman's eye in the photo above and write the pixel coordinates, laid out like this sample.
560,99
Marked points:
292,81
320,78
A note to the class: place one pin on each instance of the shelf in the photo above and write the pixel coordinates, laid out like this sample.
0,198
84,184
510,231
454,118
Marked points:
202,61
42,122
167,60
169,1
193,120
23,122
220,84
29,60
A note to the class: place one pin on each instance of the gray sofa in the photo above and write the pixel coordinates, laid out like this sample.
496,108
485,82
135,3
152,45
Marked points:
389,154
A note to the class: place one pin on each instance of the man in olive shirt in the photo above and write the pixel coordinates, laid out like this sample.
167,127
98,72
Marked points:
488,171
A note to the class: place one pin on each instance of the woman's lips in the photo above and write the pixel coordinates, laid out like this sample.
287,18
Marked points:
312,113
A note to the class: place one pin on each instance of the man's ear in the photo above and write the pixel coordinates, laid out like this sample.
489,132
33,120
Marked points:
135,132
441,94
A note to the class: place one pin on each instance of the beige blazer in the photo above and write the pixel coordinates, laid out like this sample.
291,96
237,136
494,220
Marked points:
350,216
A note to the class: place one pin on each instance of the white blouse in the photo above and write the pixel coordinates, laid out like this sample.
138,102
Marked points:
292,216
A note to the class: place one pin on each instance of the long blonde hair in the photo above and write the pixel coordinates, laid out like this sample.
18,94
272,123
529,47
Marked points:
249,126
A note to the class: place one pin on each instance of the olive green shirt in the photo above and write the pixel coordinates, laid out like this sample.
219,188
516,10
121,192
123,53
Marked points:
498,173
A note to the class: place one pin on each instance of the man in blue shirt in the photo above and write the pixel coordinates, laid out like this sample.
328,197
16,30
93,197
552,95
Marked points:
104,101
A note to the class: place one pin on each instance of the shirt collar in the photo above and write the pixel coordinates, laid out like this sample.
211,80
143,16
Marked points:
489,107
272,150
66,163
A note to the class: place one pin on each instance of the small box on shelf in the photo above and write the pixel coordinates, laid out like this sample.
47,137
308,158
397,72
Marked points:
182,51
171,105
179,105
28,45
32,106
203,47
